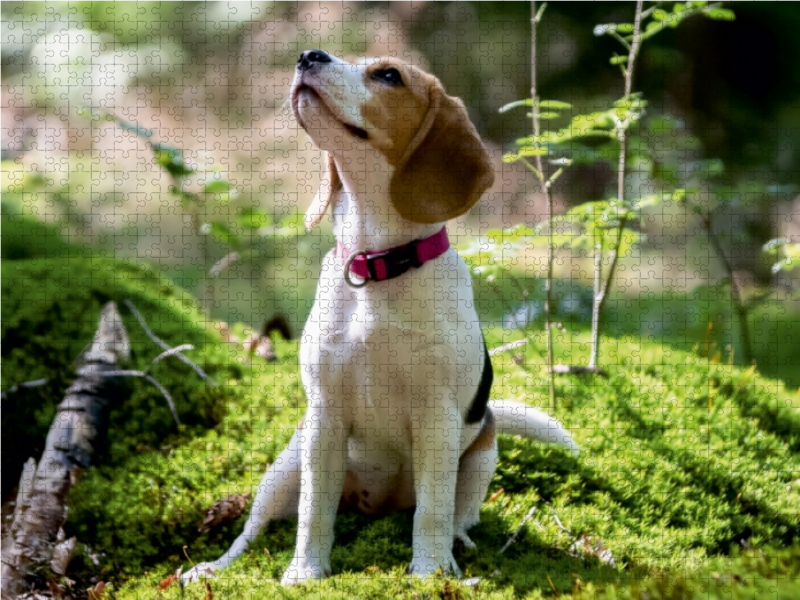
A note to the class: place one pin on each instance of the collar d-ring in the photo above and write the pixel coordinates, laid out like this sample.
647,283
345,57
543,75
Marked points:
350,282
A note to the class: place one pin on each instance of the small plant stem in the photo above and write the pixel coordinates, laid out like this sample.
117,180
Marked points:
598,270
736,292
601,297
545,184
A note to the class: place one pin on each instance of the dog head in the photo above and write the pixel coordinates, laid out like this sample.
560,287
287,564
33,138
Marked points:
439,165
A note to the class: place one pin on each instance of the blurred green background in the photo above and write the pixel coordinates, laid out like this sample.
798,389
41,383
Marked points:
212,79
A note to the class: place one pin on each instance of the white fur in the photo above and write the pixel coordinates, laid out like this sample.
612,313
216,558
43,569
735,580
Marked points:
389,370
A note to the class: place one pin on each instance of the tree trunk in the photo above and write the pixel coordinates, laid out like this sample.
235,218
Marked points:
80,418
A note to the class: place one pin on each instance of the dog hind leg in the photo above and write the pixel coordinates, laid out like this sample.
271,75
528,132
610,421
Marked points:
475,472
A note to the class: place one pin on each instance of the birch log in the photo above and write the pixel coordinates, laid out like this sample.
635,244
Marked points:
40,509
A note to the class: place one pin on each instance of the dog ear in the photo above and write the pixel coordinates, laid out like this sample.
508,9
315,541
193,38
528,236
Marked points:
446,167
329,188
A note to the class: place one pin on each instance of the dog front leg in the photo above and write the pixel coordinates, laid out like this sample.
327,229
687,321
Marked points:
435,453
277,498
323,443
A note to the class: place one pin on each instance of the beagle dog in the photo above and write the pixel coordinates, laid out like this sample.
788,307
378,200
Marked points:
392,358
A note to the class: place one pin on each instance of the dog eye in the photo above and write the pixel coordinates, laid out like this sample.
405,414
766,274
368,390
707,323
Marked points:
388,76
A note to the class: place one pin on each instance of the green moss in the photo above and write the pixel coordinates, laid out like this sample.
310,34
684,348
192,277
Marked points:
50,312
683,461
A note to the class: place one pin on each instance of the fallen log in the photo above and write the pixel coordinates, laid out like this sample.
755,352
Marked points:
80,418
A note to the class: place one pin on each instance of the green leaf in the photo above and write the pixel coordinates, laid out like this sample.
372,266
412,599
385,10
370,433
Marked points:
252,218
588,123
545,116
554,105
632,102
618,60
628,241
661,15
172,160
516,104
221,232
720,14
529,151
511,157
218,186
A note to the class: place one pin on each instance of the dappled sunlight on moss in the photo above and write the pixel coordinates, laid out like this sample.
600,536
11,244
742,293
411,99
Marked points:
683,459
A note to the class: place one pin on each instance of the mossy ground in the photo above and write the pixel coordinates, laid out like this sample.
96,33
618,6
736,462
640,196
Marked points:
684,461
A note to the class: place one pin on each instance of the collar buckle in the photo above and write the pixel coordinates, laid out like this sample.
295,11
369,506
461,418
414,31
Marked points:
347,272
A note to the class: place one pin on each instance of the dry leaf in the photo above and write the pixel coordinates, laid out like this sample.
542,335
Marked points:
98,591
209,592
165,583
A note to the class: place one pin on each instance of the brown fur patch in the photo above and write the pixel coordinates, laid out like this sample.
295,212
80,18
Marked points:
446,168
486,437
396,112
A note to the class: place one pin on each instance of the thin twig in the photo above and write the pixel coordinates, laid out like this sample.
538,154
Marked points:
559,523
549,196
513,538
509,346
600,299
132,307
25,384
164,345
579,370
170,352
164,392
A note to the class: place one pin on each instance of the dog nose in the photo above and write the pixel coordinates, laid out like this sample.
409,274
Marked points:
310,57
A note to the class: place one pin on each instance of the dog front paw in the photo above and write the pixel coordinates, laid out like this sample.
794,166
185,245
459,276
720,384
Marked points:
426,564
204,569
303,569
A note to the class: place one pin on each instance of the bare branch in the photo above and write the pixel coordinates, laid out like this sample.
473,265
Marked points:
164,345
144,375
170,352
509,346
602,296
549,196
559,523
513,538
577,370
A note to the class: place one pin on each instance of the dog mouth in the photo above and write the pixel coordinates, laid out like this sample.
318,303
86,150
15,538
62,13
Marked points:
304,88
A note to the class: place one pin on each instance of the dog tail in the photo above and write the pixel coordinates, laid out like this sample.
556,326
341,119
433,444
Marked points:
515,418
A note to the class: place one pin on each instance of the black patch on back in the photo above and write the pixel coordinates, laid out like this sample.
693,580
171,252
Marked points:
478,408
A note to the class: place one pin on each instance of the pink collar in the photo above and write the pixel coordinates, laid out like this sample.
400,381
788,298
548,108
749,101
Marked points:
387,264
